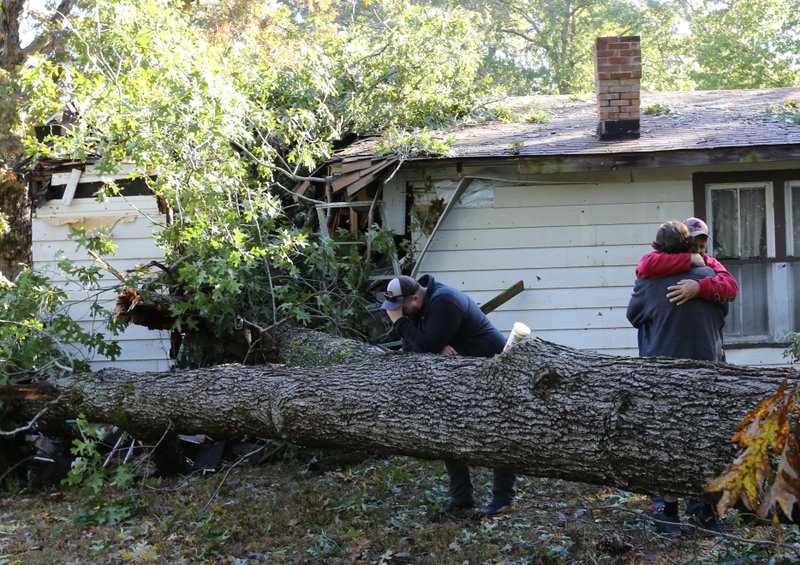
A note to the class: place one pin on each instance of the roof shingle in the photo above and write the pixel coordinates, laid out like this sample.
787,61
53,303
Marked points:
698,120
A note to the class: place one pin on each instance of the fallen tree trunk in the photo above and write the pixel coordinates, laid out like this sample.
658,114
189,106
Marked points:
644,425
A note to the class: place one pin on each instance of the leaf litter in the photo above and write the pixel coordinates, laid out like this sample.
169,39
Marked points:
380,510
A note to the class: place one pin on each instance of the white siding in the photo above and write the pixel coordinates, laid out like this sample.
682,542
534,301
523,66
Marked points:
132,220
574,245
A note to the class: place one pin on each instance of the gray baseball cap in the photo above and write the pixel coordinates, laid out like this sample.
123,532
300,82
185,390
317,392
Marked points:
397,291
696,227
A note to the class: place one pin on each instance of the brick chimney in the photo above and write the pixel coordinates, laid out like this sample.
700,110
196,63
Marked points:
618,74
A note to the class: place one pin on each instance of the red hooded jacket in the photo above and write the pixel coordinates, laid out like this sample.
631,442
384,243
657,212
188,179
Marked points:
719,288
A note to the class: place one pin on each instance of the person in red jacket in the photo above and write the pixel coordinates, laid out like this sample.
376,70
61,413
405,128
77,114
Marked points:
720,288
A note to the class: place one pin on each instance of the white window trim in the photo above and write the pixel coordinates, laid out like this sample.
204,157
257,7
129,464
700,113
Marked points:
777,277
791,251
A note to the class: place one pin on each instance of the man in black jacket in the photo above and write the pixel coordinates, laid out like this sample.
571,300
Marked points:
430,317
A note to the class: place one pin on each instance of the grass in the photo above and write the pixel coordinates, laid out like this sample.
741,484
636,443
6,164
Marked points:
382,510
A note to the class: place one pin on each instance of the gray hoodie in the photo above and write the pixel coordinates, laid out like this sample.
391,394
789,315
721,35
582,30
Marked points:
690,331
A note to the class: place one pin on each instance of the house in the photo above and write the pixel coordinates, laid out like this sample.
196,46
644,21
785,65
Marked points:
65,195
569,204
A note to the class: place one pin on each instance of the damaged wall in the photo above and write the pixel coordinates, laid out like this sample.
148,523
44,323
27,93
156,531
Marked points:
129,221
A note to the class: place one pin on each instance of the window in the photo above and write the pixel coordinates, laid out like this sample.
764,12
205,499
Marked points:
739,218
754,219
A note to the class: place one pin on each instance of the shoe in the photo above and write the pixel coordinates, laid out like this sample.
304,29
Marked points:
494,508
456,505
666,523
705,517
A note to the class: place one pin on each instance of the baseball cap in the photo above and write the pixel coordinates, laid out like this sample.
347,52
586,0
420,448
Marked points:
696,227
397,290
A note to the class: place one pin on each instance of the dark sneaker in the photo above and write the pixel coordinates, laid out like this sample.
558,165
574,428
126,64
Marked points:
494,508
666,523
456,505
705,517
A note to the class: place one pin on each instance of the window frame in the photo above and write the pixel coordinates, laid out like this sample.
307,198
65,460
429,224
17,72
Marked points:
792,251
779,240
792,247
769,202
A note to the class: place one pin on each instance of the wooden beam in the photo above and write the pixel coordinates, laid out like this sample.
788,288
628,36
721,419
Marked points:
72,185
91,174
356,164
684,158
353,223
352,204
583,162
503,297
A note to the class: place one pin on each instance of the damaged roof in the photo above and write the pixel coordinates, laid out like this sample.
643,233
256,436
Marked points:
698,120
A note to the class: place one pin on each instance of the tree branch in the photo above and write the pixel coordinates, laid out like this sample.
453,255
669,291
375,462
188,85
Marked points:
283,171
10,48
46,40
24,428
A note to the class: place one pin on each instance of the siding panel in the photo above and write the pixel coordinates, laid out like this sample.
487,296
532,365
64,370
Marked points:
538,237
536,277
576,319
130,248
591,194
46,231
510,258
532,299
567,216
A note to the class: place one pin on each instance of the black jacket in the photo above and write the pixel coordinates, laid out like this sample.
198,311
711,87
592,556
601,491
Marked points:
448,317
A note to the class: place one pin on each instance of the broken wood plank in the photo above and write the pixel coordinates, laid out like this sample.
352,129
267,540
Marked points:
356,165
339,183
503,297
369,175
72,185
302,187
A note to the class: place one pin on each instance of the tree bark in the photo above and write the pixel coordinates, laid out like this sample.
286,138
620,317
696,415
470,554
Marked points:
15,244
12,53
646,425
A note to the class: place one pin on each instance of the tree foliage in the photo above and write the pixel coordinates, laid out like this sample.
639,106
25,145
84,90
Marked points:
227,104
766,473
746,44
225,114
39,339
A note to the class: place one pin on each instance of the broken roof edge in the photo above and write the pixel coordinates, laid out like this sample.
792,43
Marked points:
549,163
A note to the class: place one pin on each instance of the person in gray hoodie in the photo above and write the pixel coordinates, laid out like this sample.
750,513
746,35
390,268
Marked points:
691,330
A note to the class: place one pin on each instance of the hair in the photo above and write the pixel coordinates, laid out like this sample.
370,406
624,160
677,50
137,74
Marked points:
673,237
